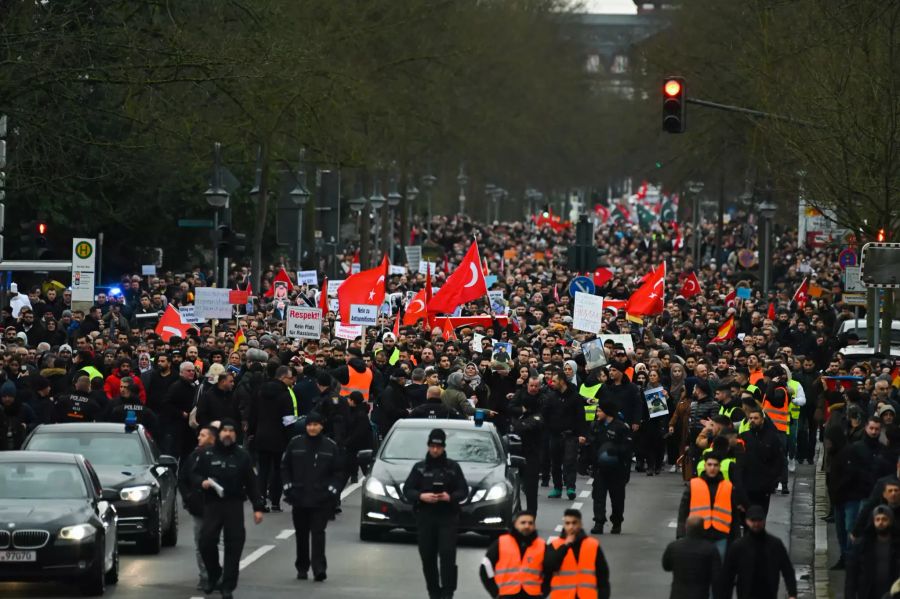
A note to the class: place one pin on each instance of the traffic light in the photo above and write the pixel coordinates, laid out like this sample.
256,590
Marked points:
674,101
880,236
228,241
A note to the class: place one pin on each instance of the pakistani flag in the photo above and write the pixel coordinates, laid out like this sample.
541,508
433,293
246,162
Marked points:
669,211
646,217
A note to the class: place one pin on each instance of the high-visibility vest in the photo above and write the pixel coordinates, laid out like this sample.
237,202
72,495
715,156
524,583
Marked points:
576,579
727,412
724,465
294,401
756,376
743,426
715,514
589,392
754,390
780,416
792,407
590,406
515,573
395,357
92,372
359,381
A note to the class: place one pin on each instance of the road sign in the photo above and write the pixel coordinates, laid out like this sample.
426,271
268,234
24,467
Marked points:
581,284
83,265
852,282
847,257
854,299
880,265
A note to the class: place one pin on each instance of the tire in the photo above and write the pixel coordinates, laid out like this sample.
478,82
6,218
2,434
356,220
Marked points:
369,533
151,543
93,584
112,577
170,536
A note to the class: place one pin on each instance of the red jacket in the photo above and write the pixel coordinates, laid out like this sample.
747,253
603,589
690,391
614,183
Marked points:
111,386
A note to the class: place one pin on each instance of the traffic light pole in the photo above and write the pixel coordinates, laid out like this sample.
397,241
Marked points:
749,111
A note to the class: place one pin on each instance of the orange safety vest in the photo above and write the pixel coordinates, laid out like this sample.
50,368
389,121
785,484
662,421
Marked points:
576,579
359,381
514,573
716,514
781,417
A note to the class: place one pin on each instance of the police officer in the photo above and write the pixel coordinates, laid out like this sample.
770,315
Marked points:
513,565
436,486
189,486
313,474
226,470
574,562
528,422
78,406
127,407
612,465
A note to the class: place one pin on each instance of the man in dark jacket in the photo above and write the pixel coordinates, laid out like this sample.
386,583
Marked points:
612,444
501,385
436,486
625,394
762,458
313,474
433,407
563,414
176,409
393,404
192,493
16,418
693,561
875,562
157,382
270,420
219,403
754,562
528,423
359,432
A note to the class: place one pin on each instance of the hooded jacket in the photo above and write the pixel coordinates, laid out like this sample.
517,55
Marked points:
454,396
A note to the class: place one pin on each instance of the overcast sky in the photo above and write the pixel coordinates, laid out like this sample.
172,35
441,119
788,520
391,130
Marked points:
610,6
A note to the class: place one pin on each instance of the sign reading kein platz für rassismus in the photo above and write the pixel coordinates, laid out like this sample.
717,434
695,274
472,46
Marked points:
304,323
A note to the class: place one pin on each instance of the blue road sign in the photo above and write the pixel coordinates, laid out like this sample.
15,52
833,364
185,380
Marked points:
582,284
847,257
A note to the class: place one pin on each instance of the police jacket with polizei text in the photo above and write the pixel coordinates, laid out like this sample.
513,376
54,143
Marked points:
232,468
312,469
434,475
120,407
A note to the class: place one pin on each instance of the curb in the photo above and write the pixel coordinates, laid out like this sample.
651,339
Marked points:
820,562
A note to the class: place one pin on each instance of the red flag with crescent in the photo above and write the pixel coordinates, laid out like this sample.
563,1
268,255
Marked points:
691,286
649,299
464,285
416,309
365,287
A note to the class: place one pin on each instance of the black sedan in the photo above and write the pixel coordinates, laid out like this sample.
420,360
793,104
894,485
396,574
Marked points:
126,459
56,521
492,475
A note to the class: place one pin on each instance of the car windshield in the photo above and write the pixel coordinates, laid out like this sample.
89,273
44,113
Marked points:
29,480
100,449
863,334
462,445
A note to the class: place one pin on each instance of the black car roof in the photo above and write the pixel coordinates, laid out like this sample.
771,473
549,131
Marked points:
86,427
38,456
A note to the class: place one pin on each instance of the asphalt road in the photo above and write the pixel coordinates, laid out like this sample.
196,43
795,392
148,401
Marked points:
391,568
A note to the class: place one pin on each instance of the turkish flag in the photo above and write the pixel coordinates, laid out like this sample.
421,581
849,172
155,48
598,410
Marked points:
614,304
602,276
170,325
365,287
464,285
323,297
691,286
771,313
801,296
284,278
731,299
416,309
649,299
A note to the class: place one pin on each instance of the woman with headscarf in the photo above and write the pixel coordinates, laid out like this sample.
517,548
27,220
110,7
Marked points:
144,363
678,422
474,386
570,368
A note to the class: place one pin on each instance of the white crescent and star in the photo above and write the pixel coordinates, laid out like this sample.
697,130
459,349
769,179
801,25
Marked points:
474,270
690,285
416,301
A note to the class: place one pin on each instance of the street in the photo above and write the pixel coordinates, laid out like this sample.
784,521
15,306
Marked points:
392,567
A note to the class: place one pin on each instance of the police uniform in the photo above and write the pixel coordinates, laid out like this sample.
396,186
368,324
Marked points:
612,460
132,411
437,523
75,407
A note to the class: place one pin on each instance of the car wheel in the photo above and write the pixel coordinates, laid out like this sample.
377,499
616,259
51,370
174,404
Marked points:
93,584
369,533
152,541
170,537
112,577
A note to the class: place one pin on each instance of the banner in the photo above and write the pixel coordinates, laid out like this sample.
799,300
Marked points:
303,323
413,257
363,314
333,285
347,331
307,277
588,313
212,302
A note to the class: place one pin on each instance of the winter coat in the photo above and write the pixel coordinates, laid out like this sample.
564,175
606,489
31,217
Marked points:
267,411
695,564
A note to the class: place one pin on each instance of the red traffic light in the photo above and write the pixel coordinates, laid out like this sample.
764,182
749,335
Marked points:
42,228
880,236
672,87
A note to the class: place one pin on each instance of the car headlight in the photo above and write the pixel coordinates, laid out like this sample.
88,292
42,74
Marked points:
479,495
374,487
78,532
498,491
392,491
136,494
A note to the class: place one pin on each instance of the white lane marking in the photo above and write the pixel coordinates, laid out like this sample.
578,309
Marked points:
590,481
584,494
558,528
287,533
350,488
261,551
577,505
673,524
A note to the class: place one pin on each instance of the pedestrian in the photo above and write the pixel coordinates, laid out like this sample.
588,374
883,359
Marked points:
436,486
270,423
313,474
754,562
874,563
694,562
762,460
563,415
612,443
175,412
574,563
528,423
714,500
360,434
189,486
228,480
128,408
434,407
513,565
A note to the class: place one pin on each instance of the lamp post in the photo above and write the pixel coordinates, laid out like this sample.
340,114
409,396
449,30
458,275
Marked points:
767,211
357,204
462,180
299,197
489,190
377,201
428,182
412,192
695,187
217,197
393,201
499,194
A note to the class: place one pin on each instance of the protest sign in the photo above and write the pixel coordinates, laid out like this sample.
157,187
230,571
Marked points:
303,323
656,402
307,277
212,302
588,313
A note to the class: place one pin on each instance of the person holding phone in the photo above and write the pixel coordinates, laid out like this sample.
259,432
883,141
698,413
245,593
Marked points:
436,486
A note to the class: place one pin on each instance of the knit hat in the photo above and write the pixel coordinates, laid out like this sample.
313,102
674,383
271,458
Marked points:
315,417
883,510
886,407
703,386
607,406
437,437
8,389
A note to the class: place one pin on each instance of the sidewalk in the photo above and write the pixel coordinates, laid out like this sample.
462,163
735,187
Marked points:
791,520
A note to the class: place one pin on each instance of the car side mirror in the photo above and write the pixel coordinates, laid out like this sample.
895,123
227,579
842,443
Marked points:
364,456
109,495
511,442
168,461
517,461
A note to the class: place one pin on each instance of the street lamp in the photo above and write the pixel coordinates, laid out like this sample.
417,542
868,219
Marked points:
499,194
393,201
695,187
299,197
217,197
428,182
462,180
489,190
377,201
412,192
767,211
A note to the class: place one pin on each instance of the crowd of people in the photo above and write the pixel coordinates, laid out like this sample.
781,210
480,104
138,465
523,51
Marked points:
734,416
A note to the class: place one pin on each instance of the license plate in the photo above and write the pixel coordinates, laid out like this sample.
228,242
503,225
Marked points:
18,556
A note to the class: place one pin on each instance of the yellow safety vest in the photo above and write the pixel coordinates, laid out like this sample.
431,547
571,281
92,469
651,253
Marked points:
794,408
395,357
92,372
294,401
590,407
725,465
